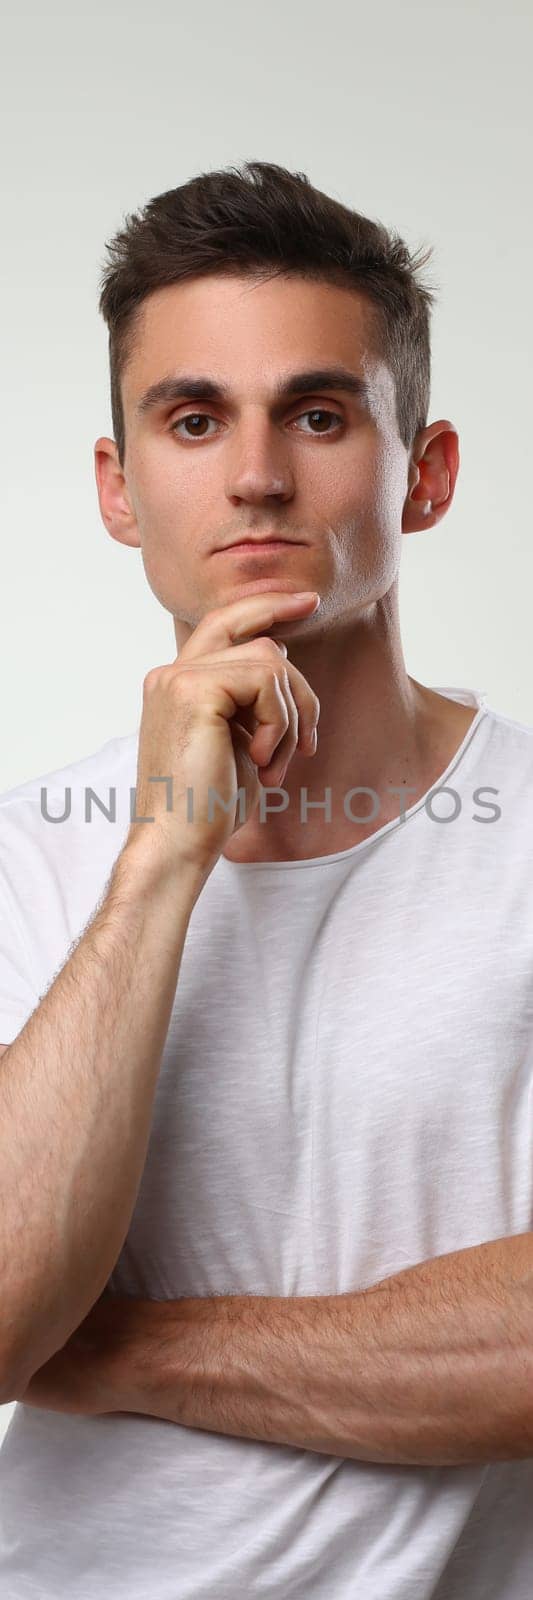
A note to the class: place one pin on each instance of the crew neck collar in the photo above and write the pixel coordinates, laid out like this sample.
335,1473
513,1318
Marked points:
469,697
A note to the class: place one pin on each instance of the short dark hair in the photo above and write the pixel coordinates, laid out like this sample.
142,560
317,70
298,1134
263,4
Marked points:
262,219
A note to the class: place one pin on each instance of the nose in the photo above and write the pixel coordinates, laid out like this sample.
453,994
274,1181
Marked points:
258,466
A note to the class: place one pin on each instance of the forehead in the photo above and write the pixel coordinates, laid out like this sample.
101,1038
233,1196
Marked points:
249,332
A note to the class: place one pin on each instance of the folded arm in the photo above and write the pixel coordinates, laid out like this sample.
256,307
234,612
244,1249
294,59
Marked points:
433,1366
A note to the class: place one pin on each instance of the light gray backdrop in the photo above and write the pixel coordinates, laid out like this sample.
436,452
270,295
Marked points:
417,115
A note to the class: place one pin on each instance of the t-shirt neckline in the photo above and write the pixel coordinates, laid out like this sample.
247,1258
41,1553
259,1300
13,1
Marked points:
471,697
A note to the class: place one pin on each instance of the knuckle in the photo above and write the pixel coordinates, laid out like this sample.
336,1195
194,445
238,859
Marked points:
270,649
184,677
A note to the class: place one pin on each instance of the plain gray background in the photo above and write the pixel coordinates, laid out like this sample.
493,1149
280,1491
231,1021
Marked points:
417,115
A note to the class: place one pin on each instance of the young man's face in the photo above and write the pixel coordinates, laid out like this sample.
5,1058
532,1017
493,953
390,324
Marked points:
326,467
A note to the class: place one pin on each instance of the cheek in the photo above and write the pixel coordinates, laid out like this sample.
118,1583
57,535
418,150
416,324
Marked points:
158,476
367,474
378,498
365,508
160,500
176,502
368,492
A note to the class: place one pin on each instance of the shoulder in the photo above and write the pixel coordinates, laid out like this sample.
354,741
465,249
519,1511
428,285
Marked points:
104,765
74,814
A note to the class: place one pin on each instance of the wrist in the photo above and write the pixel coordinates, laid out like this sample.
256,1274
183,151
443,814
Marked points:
113,1344
140,1359
145,867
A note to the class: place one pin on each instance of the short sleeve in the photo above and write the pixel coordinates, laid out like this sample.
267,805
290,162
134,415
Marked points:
52,876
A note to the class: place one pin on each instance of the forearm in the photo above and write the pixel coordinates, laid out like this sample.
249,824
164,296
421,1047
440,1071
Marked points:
76,1095
433,1366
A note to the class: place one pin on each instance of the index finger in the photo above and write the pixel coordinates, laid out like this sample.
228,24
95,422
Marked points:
243,618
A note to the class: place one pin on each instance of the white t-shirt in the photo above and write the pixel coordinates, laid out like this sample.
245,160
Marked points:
346,1090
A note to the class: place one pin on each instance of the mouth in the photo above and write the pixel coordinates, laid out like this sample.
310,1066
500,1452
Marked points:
259,546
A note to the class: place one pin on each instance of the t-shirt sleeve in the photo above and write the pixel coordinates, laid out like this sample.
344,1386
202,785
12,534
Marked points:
18,997
51,878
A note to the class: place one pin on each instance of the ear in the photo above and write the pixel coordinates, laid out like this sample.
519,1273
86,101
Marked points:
433,470
115,509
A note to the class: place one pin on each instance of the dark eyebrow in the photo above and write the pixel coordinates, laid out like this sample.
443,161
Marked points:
185,386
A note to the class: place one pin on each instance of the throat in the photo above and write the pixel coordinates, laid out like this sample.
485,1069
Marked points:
287,836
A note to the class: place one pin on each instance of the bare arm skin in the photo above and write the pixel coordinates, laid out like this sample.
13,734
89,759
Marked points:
77,1084
430,1367
76,1094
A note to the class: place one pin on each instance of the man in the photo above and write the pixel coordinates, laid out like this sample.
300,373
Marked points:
266,1171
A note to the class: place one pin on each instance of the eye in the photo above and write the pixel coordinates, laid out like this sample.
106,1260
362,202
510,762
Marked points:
192,416
202,416
319,411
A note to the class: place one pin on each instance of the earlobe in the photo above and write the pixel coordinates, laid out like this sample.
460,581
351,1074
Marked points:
417,511
123,535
